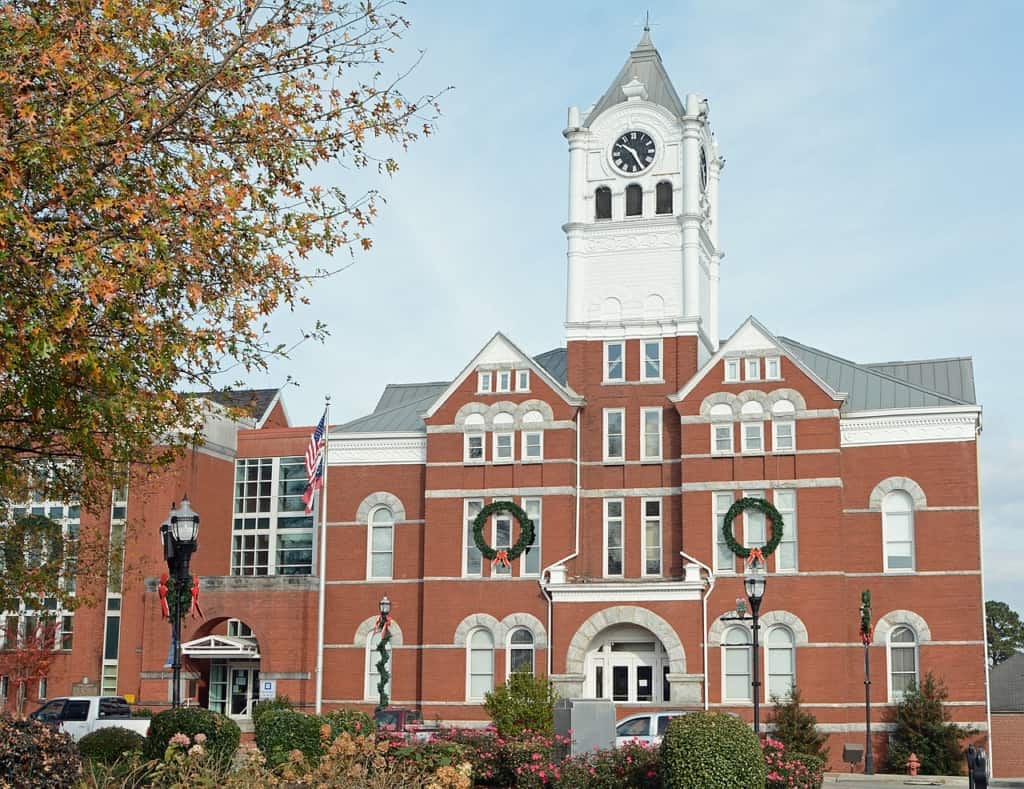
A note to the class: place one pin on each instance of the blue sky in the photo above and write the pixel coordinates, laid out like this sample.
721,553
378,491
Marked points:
870,205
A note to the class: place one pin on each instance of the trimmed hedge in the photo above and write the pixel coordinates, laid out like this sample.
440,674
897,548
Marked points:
263,706
354,722
705,749
108,745
282,731
36,756
222,733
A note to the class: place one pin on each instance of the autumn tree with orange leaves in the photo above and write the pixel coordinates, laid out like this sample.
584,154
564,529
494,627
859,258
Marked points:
156,205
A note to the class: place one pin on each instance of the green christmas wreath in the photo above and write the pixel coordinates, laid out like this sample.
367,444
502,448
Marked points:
769,512
526,532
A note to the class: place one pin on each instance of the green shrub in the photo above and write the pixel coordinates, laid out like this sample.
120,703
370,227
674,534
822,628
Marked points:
796,728
263,706
108,745
222,733
354,722
36,756
142,712
707,749
791,770
633,766
524,703
282,731
923,727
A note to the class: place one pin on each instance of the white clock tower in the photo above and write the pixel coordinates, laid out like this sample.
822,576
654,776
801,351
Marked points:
643,248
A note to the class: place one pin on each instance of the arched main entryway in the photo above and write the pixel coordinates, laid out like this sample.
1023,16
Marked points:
627,663
229,668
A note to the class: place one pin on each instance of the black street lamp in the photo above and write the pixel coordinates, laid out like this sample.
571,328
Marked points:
179,534
754,582
384,628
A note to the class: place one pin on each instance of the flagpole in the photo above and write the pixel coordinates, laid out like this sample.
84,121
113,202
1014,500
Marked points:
323,562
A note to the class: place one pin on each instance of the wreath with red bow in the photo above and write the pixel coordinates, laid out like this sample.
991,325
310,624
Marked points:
772,514
503,556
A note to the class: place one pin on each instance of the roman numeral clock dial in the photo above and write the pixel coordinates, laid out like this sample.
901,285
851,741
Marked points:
633,152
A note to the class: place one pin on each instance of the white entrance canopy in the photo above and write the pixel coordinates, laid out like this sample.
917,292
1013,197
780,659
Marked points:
222,647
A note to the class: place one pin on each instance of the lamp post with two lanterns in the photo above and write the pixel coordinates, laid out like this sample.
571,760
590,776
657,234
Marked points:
179,534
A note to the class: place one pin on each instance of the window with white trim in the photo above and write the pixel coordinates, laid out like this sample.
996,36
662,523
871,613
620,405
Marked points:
650,362
473,445
614,361
650,439
613,537
522,380
652,537
752,369
902,648
373,670
479,665
725,559
504,381
752,435
472,559
5,686
271,534
754,523
501,539
783,427
732,370
530,563
736,665
613,438
721,429
772,368
520,651
504,438
380,562
532,450
898,531
780,663
483,382
786,554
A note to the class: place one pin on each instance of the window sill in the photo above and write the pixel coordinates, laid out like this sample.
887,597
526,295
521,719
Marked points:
472,462
508,462
613,382
908,571
719,454
614,461
753,453
651,461
531,461
651,381
783,451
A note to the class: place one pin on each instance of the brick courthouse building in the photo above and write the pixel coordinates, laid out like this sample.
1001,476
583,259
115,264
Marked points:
626,447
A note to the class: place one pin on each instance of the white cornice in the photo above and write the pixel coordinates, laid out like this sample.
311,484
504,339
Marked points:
626,591
377,449
910,426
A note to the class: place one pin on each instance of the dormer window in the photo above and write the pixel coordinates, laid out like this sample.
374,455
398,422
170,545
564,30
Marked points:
603,203
663,198
634,200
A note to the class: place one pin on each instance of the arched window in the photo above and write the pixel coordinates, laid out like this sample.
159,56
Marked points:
752,439
520,651
736,665
898,531
474,439
532,450
504,424
372,671
382,543
902,661
480,665
663,198
721,429
780,664
603,203
783,427
634,200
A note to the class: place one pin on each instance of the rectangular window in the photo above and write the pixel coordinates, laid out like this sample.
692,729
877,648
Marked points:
754,527
613,533
533,446
474,448
652,537
753,436
112,637
41,693
725,559
753,371
502,540
382,544
4,687
772,369
732,370
67,631
531,558
503,447
783,436
483,382
472,558
650,439
898,528
650,367
504,380
721,439
786,555
522,380
614,361
613,445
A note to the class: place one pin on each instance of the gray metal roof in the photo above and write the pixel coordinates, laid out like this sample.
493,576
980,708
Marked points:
644,63
873,386
1006,685
555,362
398,410
254,402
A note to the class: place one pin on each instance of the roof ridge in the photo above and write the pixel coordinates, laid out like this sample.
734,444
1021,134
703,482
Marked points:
921,361
417,383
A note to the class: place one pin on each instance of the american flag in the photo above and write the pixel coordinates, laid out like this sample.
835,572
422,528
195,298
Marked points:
315,463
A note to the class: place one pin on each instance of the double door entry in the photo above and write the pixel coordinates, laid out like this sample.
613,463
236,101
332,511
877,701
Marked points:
234,687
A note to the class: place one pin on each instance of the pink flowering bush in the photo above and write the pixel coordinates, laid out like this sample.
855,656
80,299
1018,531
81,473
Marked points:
791,770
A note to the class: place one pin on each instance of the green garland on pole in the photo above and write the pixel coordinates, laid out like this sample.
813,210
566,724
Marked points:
179,598
382,663
866,631
762,506
526,530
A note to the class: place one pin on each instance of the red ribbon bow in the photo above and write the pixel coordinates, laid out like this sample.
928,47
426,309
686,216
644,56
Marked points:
383,623
755,553
866,635
502,557
194,608
165,611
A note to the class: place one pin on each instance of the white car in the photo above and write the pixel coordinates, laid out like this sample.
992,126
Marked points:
647,727
81,715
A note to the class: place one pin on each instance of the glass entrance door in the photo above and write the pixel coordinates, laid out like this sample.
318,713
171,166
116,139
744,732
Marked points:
244,689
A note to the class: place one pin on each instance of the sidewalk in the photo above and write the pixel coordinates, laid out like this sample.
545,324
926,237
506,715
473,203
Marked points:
888,779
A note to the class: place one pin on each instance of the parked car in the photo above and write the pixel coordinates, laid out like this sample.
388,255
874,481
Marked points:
81,715
647,727
406,724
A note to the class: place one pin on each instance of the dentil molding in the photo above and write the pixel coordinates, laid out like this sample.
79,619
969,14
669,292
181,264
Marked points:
377,451
911,428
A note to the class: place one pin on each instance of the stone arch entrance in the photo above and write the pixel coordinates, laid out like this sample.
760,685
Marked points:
227,659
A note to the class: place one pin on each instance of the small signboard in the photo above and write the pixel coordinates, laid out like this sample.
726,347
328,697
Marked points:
268,688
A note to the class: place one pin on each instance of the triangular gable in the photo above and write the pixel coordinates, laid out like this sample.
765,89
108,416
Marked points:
501,350
752,336
222,647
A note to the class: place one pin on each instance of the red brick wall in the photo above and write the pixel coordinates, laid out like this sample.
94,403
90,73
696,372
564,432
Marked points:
1008,744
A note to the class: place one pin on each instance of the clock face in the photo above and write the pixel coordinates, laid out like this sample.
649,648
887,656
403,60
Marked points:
633,152
703,170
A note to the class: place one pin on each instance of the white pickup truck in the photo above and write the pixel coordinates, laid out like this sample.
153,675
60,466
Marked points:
81,715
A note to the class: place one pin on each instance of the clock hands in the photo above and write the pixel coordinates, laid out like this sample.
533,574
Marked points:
635,156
